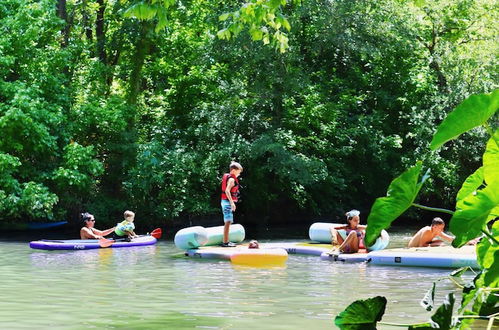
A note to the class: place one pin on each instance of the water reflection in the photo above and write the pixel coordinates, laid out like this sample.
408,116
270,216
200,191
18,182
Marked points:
156,285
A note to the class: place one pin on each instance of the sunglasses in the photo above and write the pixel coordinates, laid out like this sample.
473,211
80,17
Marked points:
93,220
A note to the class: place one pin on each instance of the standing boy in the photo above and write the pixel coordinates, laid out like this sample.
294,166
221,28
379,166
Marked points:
230,192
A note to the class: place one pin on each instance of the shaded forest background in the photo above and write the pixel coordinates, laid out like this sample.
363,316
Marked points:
102,112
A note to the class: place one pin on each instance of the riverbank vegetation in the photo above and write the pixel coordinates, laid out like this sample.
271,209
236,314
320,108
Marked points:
113,105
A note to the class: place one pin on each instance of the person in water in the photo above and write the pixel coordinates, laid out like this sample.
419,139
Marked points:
125,229
354,234
88,231
253,244
427,236
229,196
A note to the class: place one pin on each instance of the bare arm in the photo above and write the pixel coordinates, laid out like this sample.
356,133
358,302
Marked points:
103,232
446,237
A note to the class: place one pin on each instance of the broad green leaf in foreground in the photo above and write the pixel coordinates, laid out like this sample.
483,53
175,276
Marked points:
429,298
470,185
491,160
362,312
472,112
468,221
401,194
486,249
442,319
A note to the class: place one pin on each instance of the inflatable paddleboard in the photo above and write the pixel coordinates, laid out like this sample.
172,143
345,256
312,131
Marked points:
321,232
438,257
86,244
241,255
321,250
194,237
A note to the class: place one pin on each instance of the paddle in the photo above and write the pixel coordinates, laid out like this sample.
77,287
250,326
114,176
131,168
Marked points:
104,242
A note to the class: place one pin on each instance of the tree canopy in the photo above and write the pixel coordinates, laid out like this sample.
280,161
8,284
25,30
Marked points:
112,105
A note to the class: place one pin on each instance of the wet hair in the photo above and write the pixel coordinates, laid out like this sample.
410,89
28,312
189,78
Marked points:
85,216
235,166
437,221
253,244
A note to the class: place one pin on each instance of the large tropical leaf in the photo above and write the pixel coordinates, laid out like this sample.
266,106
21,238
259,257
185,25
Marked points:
491,160
468,221
470,185
429,299
472,112
486,248
442,319
363,313
399,197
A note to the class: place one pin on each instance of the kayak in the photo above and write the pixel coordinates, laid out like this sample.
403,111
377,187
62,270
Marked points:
87,244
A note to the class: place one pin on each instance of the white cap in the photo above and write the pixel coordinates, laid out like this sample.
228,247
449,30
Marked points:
352,213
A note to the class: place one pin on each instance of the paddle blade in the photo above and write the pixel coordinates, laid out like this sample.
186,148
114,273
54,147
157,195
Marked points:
156,233
104,243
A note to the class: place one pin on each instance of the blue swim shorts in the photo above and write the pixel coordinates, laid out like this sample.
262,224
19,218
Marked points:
227,211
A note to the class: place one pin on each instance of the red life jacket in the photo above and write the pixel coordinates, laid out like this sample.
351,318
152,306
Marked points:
234,191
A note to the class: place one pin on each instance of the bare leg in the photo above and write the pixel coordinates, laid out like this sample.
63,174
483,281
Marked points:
351,243
226,232
336,238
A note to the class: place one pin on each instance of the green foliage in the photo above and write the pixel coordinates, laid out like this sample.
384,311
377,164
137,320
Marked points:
399,197
264,20
470,186
442,318
472,112
473,211
362,313
428,300
79,170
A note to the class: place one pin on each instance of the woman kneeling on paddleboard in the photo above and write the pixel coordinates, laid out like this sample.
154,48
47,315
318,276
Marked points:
88,231
354,234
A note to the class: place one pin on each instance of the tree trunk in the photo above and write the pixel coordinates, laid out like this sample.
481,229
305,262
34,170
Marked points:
63,14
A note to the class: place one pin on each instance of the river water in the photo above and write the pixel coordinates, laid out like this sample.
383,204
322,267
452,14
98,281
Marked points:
156,287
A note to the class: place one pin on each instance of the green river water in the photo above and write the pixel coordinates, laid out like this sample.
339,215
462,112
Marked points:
156,287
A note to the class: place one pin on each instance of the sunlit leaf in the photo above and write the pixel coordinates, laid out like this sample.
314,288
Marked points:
468,221
472,183
223,17
362,312
429,298
472,112
491,160
442,319
399,197
486,248
142,11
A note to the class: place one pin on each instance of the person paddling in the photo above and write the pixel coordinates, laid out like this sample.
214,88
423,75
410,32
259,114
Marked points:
88,231
229,196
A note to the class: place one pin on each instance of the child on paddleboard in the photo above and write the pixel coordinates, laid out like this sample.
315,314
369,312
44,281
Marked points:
125,229
229,196
354,234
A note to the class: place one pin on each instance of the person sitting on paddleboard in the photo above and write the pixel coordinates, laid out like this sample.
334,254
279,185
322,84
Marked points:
426,235
229,196
88,231
125,229
354,234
